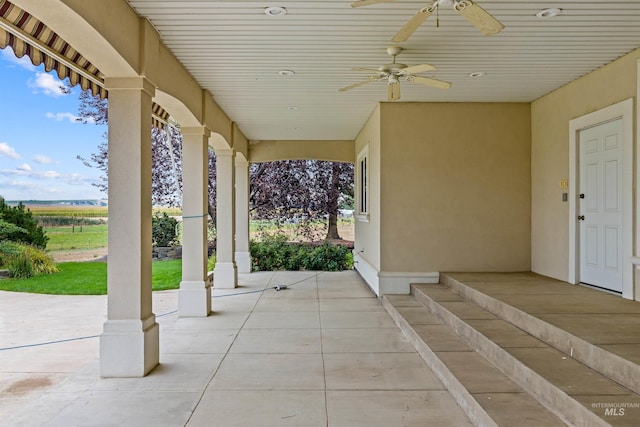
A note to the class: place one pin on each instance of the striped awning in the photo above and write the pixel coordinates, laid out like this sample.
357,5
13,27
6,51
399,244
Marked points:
26,35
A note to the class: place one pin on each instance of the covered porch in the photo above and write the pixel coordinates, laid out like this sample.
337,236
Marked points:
495,205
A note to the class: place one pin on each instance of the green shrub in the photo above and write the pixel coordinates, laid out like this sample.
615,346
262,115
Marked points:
29,231
25,261
329,258
9,250
275,253
41,261
211,262
164,230
20,266
8,229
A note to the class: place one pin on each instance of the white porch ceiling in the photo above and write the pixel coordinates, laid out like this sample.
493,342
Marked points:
235,51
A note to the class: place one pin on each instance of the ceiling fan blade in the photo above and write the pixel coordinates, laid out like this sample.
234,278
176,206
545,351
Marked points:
479,17
368,2
362,83
415,69
427,81
394,91
413,24
375,70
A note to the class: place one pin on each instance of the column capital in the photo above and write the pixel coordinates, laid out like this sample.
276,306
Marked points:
130,83
196,130
241,161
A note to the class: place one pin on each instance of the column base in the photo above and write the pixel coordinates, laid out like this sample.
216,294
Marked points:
129,348
225,275
194,299
243,261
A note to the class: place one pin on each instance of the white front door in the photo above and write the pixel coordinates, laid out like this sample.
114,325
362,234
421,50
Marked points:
600,205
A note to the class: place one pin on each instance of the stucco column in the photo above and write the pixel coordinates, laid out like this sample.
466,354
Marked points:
243,257
194,296
225,273
129,345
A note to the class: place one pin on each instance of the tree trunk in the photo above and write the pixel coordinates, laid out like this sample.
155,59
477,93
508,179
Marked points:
332,232
332,202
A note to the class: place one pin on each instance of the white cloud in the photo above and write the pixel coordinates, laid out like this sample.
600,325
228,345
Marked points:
24,185
24,62
77,179
8,151
32,174
58,117
48,84
23,179
10,172
47,174
43,160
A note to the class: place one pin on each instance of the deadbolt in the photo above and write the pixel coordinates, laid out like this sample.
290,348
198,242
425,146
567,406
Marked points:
582,196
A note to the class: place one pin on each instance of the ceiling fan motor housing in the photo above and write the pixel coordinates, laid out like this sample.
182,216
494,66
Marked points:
391,68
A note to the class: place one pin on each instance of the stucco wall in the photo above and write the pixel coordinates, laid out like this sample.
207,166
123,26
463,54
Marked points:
455,187
550,116
367,233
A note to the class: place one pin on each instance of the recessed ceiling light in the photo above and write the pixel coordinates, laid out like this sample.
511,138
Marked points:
275,11
286,73
549,13
477,74
292,108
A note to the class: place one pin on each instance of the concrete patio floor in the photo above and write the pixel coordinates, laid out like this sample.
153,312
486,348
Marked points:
322,353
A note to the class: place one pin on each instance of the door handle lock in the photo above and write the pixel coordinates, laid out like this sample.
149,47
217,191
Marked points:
581,217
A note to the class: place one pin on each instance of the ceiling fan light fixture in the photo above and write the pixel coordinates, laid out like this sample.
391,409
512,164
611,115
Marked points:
549,13
286,73
477,74
275,11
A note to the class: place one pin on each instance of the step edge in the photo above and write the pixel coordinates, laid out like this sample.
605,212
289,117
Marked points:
469,405
572,412
612,366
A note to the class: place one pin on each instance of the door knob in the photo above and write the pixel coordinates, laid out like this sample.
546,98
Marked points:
581,217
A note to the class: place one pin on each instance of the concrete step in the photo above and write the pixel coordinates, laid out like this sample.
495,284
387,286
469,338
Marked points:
574,392
625,371
488,396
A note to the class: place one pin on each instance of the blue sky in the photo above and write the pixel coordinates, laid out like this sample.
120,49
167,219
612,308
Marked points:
39,137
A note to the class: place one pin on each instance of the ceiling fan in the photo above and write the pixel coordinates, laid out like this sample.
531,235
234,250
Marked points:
394,72
473,13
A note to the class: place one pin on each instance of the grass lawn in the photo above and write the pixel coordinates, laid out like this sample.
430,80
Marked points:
62,238
90,278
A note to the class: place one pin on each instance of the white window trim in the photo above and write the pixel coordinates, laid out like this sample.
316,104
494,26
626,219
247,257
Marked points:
363,214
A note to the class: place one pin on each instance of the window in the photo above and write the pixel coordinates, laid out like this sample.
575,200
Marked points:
362,185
